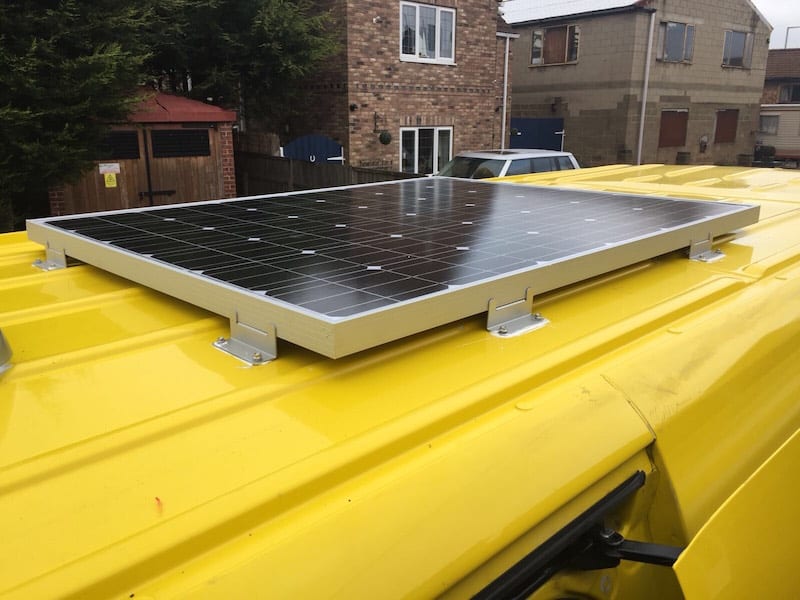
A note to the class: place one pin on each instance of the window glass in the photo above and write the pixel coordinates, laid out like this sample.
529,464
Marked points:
738,48
427,33
488,168
790,94
519,166
573,34
564,163
409,26
536,47
678,42
408,150
543,164
119,144
688,49
168,143
446,45
768,124
444,149
424,150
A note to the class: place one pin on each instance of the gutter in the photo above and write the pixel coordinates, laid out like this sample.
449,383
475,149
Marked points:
583,15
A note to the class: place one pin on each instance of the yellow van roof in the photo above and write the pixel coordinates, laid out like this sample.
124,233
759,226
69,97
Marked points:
137,460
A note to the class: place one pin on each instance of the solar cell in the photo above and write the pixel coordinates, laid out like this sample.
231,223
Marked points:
335,269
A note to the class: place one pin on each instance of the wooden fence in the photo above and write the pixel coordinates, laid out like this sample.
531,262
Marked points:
262,174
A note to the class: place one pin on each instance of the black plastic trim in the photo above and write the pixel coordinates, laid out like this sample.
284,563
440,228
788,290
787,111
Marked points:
532,571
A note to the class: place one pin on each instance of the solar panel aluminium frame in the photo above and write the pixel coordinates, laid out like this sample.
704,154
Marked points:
336,337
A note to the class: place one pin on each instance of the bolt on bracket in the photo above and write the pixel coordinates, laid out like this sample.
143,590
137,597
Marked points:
703,252
250,344
54,260
514,318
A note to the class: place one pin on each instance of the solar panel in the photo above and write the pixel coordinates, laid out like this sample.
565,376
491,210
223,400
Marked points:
339,270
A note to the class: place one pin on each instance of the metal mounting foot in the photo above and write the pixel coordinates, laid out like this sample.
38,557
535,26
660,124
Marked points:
514,318
253,345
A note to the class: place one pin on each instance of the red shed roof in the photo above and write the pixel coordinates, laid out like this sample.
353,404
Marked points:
158,107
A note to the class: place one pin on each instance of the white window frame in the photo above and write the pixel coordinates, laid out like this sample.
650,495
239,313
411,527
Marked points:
747,51
419,55
436,167
688,39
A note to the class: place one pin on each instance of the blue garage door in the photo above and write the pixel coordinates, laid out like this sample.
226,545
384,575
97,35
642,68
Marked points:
537,133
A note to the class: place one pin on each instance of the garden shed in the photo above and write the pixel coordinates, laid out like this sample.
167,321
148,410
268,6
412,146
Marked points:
171,149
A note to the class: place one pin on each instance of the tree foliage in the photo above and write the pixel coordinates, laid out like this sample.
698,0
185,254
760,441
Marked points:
243,54
69,68
66,70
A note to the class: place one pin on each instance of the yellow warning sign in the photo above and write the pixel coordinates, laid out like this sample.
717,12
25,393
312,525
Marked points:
110,179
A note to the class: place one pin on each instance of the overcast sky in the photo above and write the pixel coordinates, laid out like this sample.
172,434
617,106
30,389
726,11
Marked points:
781,14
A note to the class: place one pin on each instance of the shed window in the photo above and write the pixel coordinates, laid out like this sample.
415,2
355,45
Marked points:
119,144
169,143
672,132
676,42
727,121
555,45
738,49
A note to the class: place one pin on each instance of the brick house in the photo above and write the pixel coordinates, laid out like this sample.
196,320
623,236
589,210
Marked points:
780,105
697,68
414,83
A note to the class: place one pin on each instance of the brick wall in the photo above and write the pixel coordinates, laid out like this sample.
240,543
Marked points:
226,160
368,89
601,94
58,201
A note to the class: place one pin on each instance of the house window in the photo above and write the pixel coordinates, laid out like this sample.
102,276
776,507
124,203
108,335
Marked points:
768,124
790,94
672,132
727,121
676,42
738,49
425,150
555,45
427,33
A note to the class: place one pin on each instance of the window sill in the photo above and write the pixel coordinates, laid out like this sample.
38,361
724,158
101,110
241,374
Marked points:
427,61
573,62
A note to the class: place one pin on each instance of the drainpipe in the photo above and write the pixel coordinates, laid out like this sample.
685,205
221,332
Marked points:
508,37
645,85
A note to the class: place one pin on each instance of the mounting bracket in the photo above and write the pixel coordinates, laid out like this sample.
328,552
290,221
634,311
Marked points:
703,252
606,548
513,318
54,260
253,345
